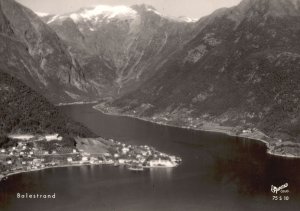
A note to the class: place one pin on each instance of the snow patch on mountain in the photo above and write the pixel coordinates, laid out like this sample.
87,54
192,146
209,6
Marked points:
42,14
108,12
101,12
54,18
182,19
188,19
98,13
154,10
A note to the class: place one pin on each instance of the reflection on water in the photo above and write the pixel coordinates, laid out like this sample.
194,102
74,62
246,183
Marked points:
218,173
161,174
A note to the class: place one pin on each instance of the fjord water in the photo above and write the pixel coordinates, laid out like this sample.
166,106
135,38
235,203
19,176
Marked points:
218,173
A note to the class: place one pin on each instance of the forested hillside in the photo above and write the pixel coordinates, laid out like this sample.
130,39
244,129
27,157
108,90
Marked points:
22,110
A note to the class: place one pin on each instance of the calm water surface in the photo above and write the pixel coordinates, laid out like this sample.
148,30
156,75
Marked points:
218,173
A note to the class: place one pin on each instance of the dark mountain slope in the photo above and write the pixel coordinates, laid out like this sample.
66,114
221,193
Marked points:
242,69
34,54
22,110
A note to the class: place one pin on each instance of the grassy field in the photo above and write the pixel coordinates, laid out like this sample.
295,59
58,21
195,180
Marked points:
92,145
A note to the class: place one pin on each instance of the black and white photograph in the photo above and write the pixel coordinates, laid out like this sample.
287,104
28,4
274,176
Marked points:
149,105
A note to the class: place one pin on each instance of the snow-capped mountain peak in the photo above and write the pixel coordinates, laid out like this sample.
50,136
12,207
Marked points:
107,12
96,13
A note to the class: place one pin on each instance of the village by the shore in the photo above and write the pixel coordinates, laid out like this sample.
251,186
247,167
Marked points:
38,152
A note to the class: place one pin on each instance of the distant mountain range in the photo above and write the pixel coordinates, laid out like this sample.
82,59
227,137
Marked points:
237,67
121,47
241,69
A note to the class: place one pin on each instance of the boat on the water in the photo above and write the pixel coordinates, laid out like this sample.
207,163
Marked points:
135,168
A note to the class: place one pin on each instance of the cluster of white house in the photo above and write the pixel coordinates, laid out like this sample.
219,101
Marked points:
144,155
87,158
26,156
162,163
27,137
128,154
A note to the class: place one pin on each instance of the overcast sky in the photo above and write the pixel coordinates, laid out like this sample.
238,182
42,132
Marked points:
189,8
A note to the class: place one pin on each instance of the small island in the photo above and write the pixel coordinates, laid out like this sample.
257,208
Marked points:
37,152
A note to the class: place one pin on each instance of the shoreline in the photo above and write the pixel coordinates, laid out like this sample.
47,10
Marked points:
212,130
73,165
50,167
229,133
76,103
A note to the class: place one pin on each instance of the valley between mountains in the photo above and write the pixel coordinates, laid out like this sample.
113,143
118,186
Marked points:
235,71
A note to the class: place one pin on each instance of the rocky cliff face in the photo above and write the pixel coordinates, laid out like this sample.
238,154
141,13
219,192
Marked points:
125,45
242,68
33,53
237,67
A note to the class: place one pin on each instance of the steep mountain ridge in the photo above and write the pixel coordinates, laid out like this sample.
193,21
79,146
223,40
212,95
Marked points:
46,62
236,68
130,42
248,9
241,69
